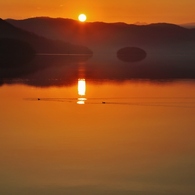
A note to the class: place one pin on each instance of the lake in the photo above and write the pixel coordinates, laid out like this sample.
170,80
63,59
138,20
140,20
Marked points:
96,126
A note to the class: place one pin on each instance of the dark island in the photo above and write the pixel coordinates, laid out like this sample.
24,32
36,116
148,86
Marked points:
131,54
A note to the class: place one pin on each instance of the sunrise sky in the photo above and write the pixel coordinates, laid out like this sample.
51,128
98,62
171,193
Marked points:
128,11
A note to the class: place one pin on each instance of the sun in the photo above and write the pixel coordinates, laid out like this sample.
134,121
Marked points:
82,17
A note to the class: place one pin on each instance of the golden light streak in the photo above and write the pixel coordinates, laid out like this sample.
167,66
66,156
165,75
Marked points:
81,100
81,86
81,91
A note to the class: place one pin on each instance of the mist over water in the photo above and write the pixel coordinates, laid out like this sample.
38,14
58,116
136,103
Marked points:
62,70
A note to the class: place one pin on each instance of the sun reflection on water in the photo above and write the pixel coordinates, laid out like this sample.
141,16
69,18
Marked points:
81,91
81,86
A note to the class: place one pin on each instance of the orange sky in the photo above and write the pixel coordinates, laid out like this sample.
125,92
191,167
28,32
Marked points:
108,11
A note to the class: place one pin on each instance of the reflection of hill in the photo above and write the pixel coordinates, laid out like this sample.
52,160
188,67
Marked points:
106,37
14,53
39,43
45,71
44,63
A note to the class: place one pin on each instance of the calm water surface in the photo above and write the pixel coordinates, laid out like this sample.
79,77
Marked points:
110,136
132,137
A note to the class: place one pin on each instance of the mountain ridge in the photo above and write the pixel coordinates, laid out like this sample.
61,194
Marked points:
104,37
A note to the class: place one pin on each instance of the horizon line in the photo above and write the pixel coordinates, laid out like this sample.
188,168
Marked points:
114,22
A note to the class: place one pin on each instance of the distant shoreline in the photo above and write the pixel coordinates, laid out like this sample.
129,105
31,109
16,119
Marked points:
61,54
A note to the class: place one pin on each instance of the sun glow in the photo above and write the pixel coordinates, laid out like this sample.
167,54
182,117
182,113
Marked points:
82,17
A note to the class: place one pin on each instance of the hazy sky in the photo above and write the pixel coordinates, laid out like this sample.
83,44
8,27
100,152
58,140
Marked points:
103,10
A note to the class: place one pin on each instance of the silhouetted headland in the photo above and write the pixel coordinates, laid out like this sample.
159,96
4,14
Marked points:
39,43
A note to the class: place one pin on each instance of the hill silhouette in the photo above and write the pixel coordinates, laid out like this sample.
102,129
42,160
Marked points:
169,50
109,37
188,25
38,42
